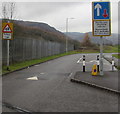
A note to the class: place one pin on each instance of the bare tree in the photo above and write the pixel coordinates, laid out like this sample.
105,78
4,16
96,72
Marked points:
4,11
8,10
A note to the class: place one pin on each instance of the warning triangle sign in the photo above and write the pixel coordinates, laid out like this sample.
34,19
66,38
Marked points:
7,29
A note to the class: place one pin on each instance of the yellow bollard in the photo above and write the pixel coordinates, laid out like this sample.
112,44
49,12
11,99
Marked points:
94,70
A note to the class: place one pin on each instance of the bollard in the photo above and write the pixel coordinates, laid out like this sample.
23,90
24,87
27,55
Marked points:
113,63
98,63
83,63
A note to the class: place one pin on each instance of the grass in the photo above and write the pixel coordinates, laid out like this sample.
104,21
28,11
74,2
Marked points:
16,66
116,55
20,65
111,49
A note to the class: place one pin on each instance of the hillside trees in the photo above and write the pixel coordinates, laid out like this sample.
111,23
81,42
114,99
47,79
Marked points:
86,41
88,44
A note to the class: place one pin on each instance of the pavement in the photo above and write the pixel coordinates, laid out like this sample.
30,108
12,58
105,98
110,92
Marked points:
52,91
108,81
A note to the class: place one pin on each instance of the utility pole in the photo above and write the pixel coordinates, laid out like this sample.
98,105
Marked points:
67,19
101,56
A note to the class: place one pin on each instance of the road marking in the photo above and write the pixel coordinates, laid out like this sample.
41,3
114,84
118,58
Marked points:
70,75
37,65
79,60
92,61
86,62
42,73
18,109
33,78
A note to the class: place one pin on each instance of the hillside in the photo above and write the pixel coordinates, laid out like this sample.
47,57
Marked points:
37,30
111,40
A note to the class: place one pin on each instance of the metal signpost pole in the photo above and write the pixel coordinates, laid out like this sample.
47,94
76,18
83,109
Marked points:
8,56
66,35
101,56
8,44
7,34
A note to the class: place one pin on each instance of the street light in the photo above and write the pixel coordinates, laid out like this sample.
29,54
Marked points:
66,33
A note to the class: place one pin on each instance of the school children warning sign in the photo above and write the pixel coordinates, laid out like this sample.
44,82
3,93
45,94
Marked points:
7,31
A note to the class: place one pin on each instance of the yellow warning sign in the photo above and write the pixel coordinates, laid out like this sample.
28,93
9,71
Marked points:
94,70
7,31
7,27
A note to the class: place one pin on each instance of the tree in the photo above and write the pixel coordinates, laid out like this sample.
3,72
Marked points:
86,41
8,10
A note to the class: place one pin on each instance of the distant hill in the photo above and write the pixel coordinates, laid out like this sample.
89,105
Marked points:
42,31
38,25
111,40
37,30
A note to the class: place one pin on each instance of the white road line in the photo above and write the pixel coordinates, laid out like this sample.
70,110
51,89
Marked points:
37,65
70,75
42,73
86,62
79,60
33,78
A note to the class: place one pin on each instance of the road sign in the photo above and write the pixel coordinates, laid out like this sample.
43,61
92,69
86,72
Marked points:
101,19
7,36
7,31
101,28
7,28
101,10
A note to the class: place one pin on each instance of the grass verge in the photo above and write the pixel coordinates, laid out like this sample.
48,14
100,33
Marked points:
111,49
16,66
24,64
116,55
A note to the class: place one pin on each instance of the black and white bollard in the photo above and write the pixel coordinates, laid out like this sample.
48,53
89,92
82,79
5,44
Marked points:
113,63
83,63
98,63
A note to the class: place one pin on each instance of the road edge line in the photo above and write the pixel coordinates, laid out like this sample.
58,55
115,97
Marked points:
7,105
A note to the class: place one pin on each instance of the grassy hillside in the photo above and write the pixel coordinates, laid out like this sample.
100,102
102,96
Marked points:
36,30
111,49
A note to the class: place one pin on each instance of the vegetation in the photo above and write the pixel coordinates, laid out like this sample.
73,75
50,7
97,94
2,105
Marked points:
20,65
111,49
116,55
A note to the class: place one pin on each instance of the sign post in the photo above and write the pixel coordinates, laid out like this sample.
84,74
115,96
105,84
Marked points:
7,34
101,21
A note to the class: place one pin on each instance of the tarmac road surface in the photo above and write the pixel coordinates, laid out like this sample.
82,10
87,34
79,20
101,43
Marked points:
47,88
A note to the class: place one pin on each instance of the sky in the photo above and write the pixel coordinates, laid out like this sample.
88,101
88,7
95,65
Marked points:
55,13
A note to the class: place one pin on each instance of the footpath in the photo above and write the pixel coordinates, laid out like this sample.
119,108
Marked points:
109,81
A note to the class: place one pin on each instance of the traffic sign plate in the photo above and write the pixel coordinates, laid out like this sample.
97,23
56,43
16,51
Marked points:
7,36
101,10
101,18
101,28
7,31
7,28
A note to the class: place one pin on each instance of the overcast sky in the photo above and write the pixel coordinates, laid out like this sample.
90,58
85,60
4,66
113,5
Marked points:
55,12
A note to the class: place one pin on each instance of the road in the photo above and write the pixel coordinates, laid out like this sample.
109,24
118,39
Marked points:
53,91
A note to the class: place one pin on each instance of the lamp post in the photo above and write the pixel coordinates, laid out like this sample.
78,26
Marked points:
67,19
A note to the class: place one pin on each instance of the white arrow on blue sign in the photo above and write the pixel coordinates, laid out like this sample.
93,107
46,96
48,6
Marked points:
101,10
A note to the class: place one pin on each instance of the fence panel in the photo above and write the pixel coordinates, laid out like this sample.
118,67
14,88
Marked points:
23,49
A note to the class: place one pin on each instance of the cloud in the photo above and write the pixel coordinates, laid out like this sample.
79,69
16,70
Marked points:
55,13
